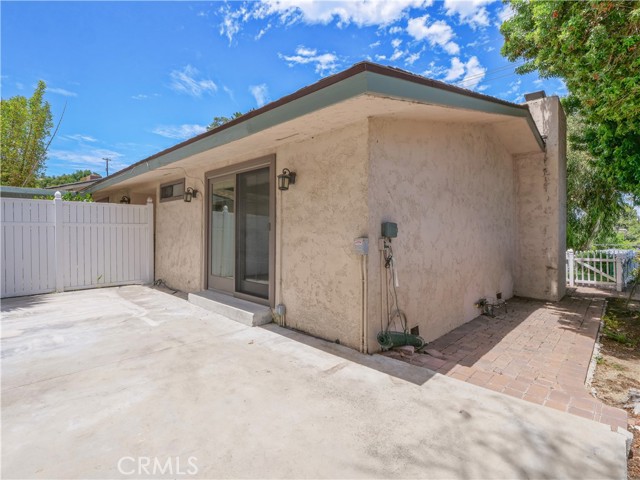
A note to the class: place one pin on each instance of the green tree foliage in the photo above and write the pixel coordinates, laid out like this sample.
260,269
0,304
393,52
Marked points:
52,181
68,196
218,121
594,205
25,124
594,46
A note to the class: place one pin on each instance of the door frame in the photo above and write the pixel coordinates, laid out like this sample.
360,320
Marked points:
260,162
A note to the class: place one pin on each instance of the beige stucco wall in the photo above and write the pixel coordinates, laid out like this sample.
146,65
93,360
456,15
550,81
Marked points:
450,189
318,218
541,208
179,259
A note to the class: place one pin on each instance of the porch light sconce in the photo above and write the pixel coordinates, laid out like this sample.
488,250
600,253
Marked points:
125,199
190,193
286,178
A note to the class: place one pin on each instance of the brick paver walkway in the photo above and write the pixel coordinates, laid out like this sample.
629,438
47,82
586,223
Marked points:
536,351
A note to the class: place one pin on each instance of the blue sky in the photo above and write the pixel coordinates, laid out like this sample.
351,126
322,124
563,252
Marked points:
138,77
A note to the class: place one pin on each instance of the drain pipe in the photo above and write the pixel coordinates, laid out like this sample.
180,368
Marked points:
365,309
361,248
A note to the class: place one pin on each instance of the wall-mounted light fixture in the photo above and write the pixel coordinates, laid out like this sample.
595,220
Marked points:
286,178
190,193
125,199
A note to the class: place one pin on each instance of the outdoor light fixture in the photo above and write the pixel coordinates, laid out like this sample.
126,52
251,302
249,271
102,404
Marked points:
190,193
285,178
125,199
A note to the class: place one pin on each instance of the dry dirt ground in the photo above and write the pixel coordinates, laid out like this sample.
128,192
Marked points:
618,365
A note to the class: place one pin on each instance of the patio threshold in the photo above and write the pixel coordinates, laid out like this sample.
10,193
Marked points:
237,309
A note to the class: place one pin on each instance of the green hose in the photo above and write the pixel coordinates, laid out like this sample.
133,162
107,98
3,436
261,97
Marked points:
389,340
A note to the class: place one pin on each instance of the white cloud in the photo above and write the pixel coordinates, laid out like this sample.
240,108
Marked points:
260,93
143,96
437,33
179,132
505,13
397,54
374,44
78,137
474,73
323,62
229,92
61,91
92,159
186,81
456,70
411,59
471,12
396,42
434,71
394,30
344,12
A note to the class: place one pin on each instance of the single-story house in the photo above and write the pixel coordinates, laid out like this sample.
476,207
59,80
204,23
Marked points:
475,185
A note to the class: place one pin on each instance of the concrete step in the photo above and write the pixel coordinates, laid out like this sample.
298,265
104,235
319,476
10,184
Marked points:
243,311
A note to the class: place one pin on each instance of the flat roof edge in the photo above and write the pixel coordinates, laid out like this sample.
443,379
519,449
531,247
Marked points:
361,78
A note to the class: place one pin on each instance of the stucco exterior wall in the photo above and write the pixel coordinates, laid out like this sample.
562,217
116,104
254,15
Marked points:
450,189
179,259
541,208
317,221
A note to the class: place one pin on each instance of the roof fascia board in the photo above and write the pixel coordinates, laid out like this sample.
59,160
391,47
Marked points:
391,86
332,94
363,82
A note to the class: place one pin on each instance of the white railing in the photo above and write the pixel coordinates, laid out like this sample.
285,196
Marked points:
601,268
53,245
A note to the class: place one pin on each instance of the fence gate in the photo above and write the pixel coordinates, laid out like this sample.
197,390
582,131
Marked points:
53,245
602,268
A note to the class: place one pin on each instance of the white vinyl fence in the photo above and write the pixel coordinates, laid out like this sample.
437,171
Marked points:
601,268
53,245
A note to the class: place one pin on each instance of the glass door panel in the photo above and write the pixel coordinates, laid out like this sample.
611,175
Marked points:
222,232
252,247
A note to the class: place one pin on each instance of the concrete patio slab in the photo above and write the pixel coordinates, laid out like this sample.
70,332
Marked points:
533,350
131,377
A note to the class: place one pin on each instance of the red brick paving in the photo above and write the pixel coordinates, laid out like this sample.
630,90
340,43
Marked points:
534,350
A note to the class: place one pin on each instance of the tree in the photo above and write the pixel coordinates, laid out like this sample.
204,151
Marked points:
594,46
25,124
218,121
52,181
594,204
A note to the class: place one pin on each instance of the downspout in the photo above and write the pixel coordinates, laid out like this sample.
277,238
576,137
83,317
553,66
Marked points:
365,314
283,317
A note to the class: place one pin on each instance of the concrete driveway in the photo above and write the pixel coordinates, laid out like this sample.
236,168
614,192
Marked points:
132,382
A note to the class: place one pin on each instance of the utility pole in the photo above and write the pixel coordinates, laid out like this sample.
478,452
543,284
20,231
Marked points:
106,161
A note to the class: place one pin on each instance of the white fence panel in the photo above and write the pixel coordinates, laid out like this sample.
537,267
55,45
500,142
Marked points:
55,245
28,231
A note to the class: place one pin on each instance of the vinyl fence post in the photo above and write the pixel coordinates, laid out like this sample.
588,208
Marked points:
619,276
151,244
59,239
570,257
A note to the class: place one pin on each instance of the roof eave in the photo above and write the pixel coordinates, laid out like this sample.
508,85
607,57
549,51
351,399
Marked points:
362,78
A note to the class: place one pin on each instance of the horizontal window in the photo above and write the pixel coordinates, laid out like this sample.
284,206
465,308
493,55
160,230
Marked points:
172,191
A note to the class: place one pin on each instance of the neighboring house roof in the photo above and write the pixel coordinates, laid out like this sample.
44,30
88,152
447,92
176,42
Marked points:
362,79
75,186
24,192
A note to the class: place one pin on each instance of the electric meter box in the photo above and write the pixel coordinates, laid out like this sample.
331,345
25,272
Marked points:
389,230
361,246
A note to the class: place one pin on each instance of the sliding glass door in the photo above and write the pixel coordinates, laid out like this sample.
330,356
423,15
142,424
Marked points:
240,237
